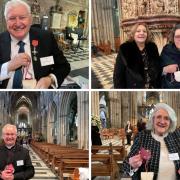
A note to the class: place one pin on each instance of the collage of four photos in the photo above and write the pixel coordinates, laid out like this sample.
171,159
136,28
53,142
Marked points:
90,89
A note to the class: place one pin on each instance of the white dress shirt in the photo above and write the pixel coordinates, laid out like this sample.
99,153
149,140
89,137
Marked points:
14,51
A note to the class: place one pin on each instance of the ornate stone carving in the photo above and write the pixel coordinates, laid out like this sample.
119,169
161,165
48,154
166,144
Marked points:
132,8
128,8
160,15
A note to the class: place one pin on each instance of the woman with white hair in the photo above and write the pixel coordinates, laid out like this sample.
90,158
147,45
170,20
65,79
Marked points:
156,149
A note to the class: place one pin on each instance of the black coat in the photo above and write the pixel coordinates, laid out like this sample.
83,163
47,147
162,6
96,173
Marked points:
19,156
95,136
170,55
134,61
47,46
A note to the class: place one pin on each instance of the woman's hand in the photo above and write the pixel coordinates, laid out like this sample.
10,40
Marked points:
135,161
170,68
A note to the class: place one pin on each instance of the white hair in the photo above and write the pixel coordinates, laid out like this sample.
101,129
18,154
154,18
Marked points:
171,113
15,3
9,126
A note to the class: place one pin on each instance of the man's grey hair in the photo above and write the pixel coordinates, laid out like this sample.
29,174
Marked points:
171,113
15,3
9,126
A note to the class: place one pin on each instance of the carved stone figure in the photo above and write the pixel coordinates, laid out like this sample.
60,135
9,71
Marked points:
35,8
171,8
158,7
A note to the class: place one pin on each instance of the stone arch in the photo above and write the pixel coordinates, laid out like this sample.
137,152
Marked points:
65,115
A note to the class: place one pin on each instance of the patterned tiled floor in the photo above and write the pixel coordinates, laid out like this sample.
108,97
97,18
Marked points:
102,72
42,172
79,61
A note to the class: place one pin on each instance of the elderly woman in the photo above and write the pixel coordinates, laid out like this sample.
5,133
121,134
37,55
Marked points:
170,60
156,149
138,62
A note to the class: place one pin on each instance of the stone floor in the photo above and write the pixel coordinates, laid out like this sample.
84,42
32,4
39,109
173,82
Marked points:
102,71
79,62
42,172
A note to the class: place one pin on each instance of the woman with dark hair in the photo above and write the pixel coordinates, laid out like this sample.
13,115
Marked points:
170,60
138,62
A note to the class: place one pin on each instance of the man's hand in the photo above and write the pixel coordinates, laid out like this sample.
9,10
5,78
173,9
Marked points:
7,175
21,59
170,68
44,83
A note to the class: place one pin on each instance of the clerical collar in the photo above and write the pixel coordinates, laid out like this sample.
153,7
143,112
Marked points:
9,147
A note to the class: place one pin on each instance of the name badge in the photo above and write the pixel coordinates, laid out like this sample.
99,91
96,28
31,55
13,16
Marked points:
45,61
20,163
173,156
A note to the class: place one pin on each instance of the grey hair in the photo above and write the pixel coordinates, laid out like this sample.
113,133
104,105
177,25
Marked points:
15,3
9,126
171,113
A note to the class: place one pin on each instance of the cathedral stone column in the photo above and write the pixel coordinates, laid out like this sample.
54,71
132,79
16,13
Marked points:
83,119
95,103
115,109
125,108
133,108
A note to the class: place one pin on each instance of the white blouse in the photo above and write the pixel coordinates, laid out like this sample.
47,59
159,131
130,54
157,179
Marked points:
166,166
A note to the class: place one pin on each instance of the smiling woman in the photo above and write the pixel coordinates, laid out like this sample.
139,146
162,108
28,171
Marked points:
139,55
170,60
159,140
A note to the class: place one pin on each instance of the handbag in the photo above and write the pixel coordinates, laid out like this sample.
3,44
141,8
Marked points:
133,79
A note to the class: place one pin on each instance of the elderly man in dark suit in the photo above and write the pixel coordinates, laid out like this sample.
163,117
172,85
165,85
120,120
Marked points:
29,57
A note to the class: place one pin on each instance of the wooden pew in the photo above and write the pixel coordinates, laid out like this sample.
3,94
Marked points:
58,152
68,166
68,155
66,159
120,151
104,165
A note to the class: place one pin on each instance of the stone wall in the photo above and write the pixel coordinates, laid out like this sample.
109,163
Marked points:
67,5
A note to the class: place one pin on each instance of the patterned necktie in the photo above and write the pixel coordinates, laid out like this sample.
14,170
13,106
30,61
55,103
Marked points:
17,81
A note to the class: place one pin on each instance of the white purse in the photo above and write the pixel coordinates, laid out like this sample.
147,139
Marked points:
147,175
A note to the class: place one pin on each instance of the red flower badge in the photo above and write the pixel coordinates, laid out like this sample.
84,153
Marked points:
145,154
35,43
10,168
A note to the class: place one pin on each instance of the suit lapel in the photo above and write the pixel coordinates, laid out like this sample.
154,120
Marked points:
6,47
